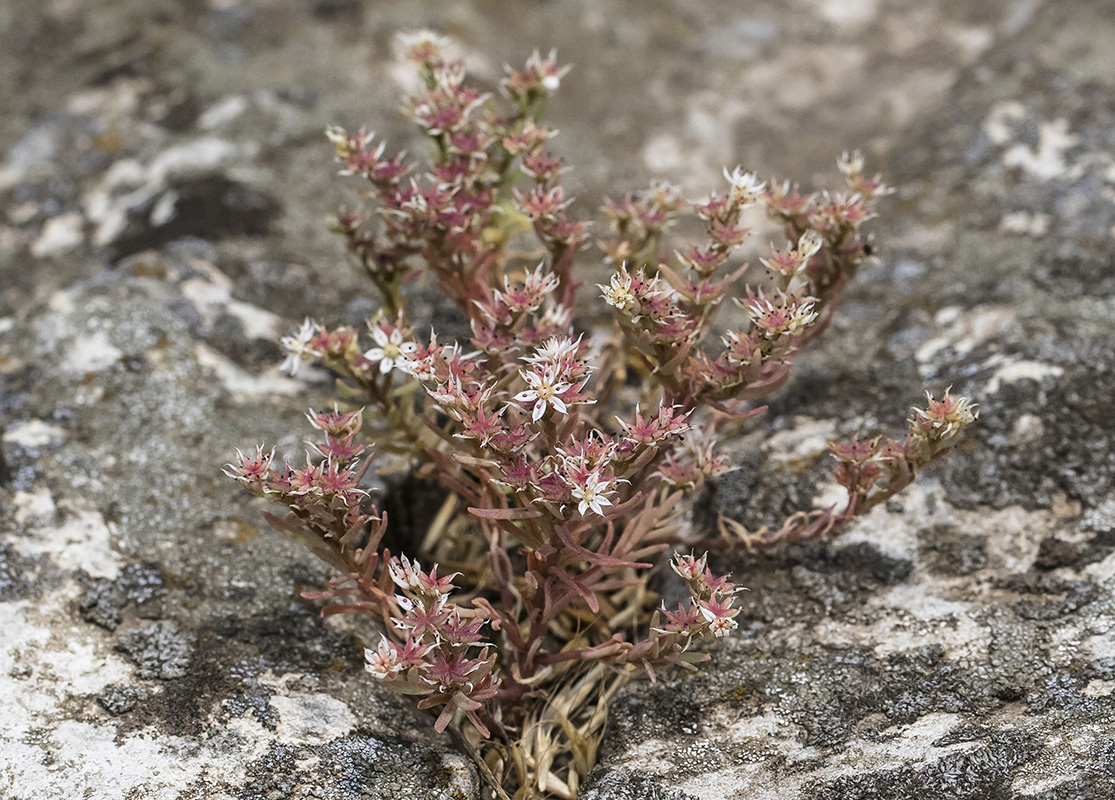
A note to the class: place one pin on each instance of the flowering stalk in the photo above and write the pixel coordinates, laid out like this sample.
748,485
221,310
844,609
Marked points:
567,454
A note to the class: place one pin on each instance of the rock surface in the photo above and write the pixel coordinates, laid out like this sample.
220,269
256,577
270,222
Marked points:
161,222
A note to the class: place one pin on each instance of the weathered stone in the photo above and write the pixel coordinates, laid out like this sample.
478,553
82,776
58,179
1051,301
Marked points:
161,224
117,700
1019,660
158,650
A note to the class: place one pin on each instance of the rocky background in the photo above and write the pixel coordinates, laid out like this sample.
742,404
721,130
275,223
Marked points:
163,204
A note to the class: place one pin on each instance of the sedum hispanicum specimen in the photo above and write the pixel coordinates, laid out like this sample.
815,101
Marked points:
568,453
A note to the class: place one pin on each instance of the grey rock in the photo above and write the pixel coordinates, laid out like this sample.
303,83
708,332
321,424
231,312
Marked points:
104,602
117,700
18,574
161,224
951,552
621,784
958,673
159,650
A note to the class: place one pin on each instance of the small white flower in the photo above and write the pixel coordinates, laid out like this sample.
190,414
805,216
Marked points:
420,368
722,626
390,350
297,347
404,573
540,282
746,186
337,135
556,350
591,494
803,316
688,567
547,68
809,245
383,662
851,164
424,39
774,321
619,294
554,317
544,391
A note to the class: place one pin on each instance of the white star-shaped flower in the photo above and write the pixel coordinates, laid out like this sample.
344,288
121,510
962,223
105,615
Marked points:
383,662
544,391
591,494
390,350
297,347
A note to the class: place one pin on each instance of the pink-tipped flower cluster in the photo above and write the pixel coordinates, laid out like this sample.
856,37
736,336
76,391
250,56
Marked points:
567,450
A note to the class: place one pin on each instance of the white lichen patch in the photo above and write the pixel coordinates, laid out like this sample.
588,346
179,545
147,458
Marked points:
212,295
93,761
847,13
806,439
1047,160
912,617
45,659
922,618
1027,428
1101,645
892,748
199,157
1103,572
50,665
830,495
774,730
311,718
927,609
107,204
241,383
224,111
81,540
1064,645
1000,123
895,533
20,642
898,746
34,507
128,184
1099,688
1061,761
1024,223
91,352
1014,534
963,331
754,781
60,235
1010,372
33,433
